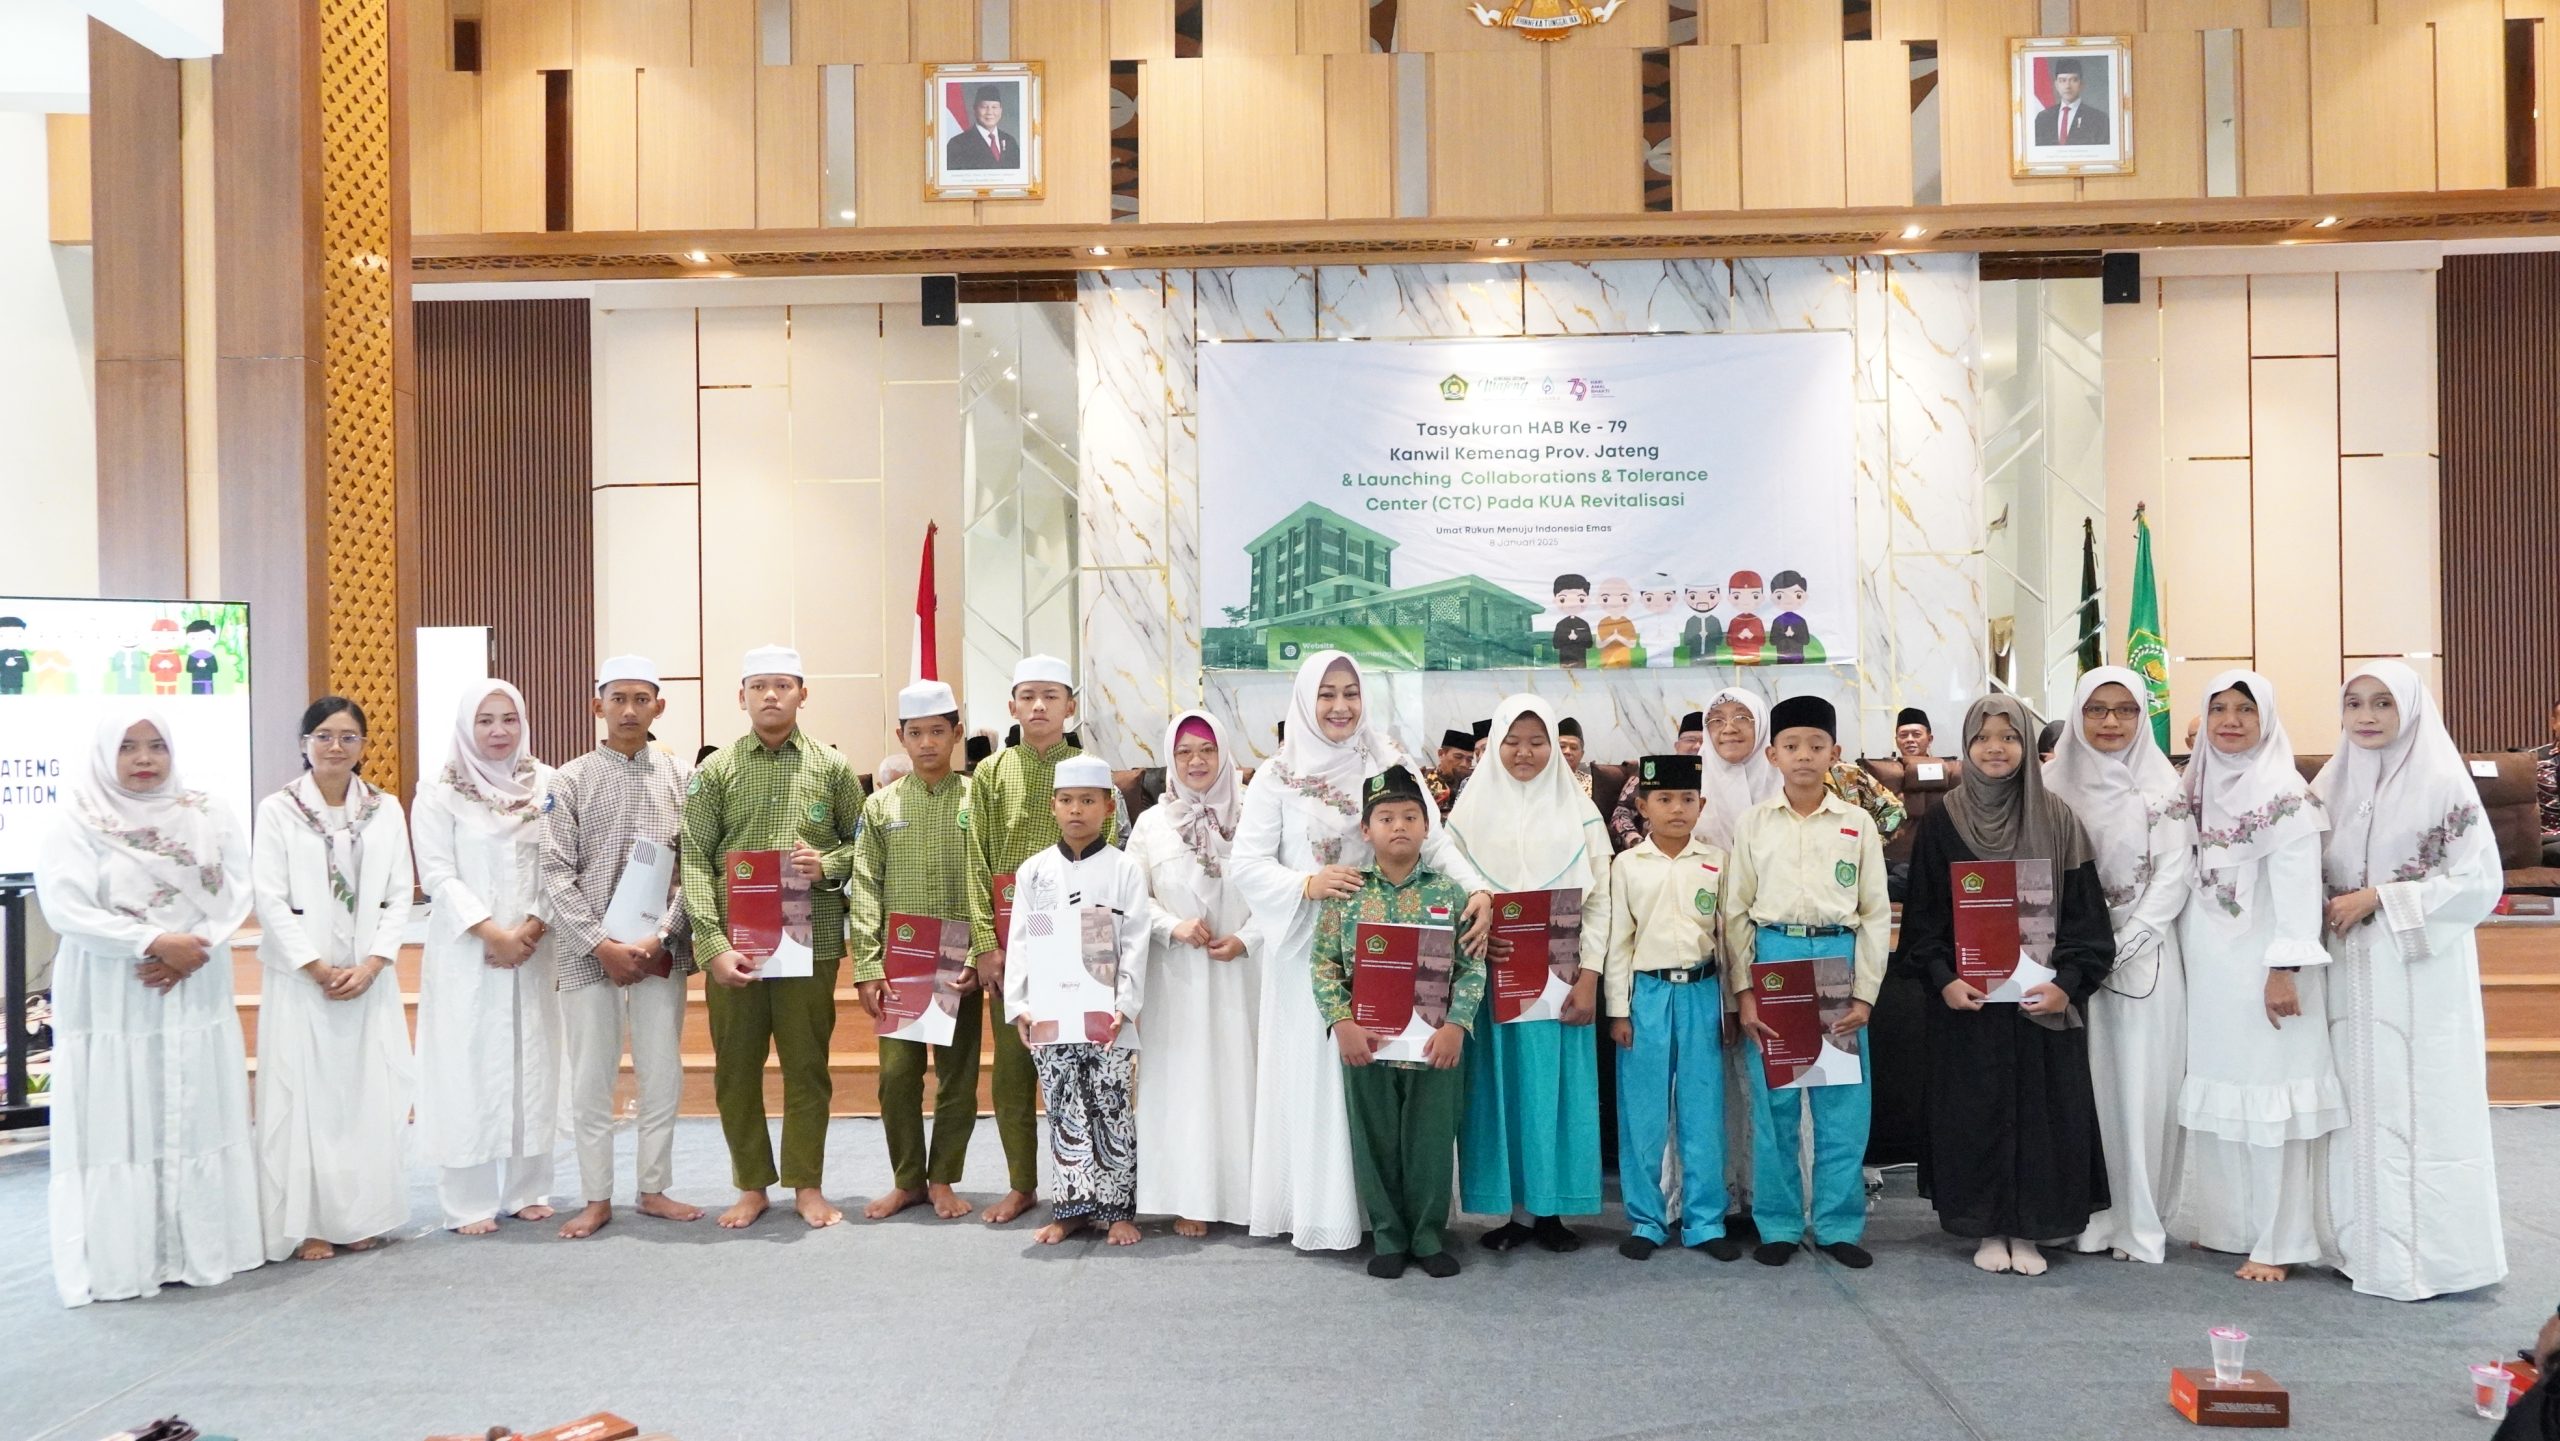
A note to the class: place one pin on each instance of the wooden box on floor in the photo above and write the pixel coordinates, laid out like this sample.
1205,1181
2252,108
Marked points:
2256,1399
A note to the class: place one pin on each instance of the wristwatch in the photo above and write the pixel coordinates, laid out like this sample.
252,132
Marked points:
2285,970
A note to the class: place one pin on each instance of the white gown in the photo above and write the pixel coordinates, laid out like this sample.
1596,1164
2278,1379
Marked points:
334,1077
2412,1189
155,1173
2138,1052
1303,1185
2257,1099
1196,1075
488,1040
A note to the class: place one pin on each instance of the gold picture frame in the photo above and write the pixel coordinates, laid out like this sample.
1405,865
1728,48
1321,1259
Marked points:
2071,105
973,152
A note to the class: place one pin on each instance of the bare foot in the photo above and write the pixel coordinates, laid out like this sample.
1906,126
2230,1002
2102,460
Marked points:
536,1212
2119,1253
488,1227
589,1220
1012,1206
2024,1257
2258,1271
742,1215
1123,1233
891,1204
1057,1231
1992,1255
667,1208
1184,1226
314,1250
946,1202
367,1244
813,1207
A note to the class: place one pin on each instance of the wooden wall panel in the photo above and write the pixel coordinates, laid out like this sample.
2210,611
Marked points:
1906,20
1333,27
444,153
1248,27
1058,30
604,156
1875,89
848,32
2338,12
511,150
697,147
1801,24
66,179
2471,86
1438,28
1792,141
2206,15
1973,105
2373,124
1639,25
1706,115
788,147
1141,29
2107,17
135,215
1169,140
1359,136
1595,131
504,515
1076,140
1488,127
1262,137
2168,158
524,35
941,30
2275,112
2498,328
639,33
726,32
890,177
1735,22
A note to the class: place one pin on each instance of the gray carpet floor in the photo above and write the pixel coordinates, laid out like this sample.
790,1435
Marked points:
917,1327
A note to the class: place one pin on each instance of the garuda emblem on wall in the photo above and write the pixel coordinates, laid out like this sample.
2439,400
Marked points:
1545,19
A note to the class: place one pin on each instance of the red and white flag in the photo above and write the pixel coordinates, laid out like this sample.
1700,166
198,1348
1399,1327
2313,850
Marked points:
920,657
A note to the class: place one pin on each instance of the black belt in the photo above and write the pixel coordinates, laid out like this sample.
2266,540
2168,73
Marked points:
1686,975
1805,933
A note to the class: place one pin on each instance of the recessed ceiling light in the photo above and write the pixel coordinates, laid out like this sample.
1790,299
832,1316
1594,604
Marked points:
1914,231
965,320
2324,222
1502,242
697,257
1098,250
844,215
1031,415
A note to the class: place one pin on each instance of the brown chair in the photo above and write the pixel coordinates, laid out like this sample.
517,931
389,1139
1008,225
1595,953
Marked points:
2513,807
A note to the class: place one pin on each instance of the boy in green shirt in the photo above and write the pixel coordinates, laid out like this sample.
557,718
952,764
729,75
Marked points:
1404,1114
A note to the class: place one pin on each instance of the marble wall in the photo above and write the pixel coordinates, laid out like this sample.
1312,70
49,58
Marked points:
1919,476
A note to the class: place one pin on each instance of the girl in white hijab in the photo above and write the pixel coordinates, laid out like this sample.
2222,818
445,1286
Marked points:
2260,1090
155,1175
1204,990
2109,768
1297,845
1735,773
1529,1136
488,1012
2412,868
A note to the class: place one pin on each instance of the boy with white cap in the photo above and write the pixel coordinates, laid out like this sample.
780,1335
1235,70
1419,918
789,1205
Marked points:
1093,1134
1010,820
624,790
911,858
773,789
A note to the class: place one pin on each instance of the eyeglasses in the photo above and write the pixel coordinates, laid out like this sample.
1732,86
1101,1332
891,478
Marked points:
2111,712
335,740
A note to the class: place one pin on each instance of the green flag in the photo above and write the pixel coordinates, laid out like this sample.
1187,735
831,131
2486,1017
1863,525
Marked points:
2093,644
2145,652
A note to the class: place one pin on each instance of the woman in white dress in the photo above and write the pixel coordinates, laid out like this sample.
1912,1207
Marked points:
1204,991
2412,868
1298,845
2260,1090
488,1018
155,1175
2108,766
1736,774
334,1071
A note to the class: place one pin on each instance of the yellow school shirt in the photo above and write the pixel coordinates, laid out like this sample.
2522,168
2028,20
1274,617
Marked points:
1823,869
1662,914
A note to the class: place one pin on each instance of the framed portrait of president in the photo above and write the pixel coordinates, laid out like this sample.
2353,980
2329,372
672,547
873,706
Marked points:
2071,105
982,131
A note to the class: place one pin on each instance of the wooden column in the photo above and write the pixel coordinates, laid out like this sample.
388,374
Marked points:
135,219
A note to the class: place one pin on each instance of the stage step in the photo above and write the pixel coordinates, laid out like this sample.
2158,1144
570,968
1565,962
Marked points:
2519,948
2521,1008
2524,1073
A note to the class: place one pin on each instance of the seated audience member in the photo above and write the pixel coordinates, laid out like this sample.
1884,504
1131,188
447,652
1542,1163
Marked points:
2546,790
2537,1416
1626,824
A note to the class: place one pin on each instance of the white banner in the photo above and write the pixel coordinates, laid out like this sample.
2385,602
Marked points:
65,664
1617,503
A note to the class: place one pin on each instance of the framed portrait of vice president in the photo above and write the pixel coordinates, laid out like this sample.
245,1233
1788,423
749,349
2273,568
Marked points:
2071,105
982,131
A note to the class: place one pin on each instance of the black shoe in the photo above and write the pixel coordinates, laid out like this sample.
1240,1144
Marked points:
1741,1227
1723,1248
1506,1236
1387,1267
1555,1235
1774,1253
1849,1254
1439,1265
1637,1248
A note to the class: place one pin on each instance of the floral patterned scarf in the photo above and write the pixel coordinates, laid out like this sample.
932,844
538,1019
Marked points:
172,833
2403,810
345,843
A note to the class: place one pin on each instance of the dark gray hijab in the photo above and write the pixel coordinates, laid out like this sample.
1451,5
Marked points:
2013,817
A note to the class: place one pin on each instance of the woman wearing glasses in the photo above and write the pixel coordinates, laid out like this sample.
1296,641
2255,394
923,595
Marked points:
334,1070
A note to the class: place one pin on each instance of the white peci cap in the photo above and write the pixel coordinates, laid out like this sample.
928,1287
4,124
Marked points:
1047,669
627,667
771,660
926,698
1082,772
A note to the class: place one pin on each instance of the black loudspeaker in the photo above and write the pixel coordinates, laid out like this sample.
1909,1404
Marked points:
2119,279
942,300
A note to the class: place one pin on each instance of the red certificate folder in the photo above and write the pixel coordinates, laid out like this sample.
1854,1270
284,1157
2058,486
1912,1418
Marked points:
1783,991
1986,897
1545,931
755,902
924,958
1001,890
1401,979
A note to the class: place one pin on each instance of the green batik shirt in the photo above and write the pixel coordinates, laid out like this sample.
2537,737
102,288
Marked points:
1411,903
749,798
1851,782
911,859
1009,821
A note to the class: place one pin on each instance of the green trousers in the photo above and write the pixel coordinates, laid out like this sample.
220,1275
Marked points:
1404,1134
1017,1101
955,1102
794,1019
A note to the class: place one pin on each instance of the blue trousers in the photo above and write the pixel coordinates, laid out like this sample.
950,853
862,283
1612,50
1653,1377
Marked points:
1676,1063
1840,1117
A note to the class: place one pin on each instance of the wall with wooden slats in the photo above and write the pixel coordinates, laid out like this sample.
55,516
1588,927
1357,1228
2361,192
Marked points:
2499,373
505,460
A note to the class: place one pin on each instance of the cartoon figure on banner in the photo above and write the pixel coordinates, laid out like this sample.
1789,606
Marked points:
1661,625
1618,638
166,664
128,669
13,655
1790,637
202,664
1573,633
1747,633
1703,637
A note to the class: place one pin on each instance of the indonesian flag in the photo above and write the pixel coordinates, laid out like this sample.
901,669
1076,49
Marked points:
920,657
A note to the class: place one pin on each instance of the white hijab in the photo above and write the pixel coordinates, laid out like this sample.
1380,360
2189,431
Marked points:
1732,789
1205,820
2249,805
2115,795
169,831
1532,835
1329,772
2400,809
500,792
